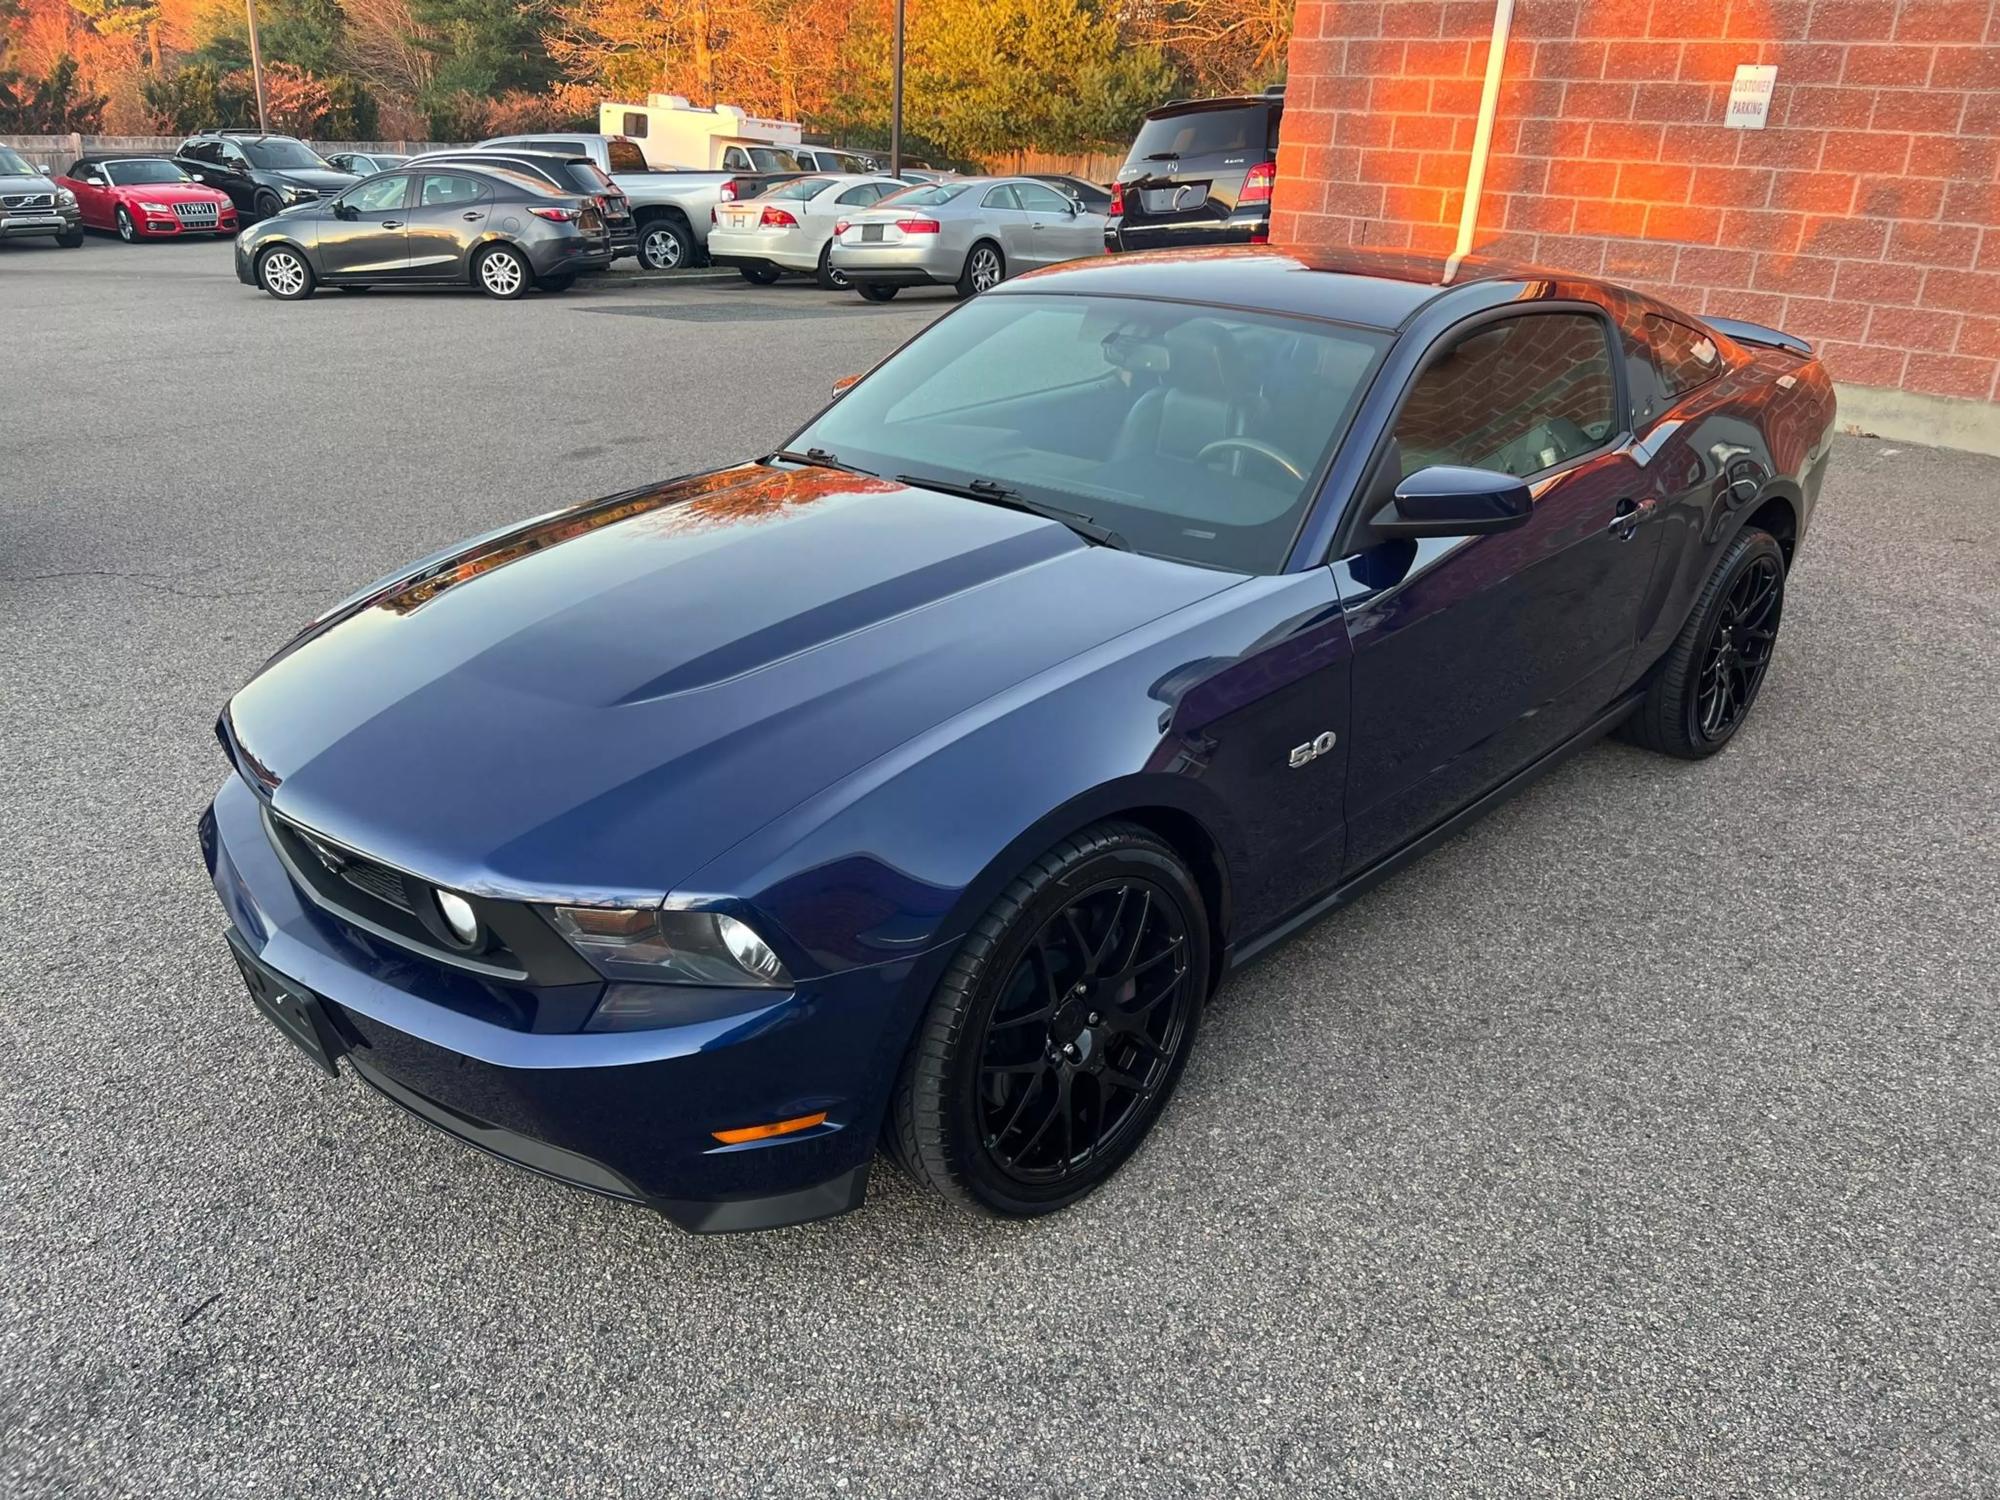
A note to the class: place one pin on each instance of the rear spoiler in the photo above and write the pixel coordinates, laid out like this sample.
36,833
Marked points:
1757,333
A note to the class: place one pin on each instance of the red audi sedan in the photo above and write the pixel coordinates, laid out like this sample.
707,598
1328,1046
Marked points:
146,197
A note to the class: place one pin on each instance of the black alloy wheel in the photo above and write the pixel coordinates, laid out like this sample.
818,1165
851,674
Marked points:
1703,689
1061,1029
1739,649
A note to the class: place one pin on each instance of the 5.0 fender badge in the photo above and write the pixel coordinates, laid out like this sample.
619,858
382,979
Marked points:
1313,749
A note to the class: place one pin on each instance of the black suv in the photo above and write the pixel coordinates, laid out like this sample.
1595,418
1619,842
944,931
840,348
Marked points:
1200,173
263,174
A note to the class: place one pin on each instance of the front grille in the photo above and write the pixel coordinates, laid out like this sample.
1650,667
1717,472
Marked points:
198,215
29,200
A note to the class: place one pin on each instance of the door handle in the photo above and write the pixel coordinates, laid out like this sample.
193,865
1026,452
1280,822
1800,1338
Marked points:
472,214
1627,515
392,223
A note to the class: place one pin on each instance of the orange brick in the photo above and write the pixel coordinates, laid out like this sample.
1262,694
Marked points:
1554,138
1873,151
1966,68
1731,187
1713,62
1419,205
1715,267
1376,58
1784,21
1655,182
1913,328
1644,62
1355,127
1539,215
1467,18
1439,59
1950,375
1690,225
1518,174
1840,235
1806,62
1412,18
1854,20
1816,318
1898,198
1422,132
1689,18
1979,336
1963,291
1583,177
1640,260
1602,216
1705,145
1454,96
1872,282
1778,148
1615,18
1539,18
1969,203
1952,245
1389,166
1684,102
1982,113
1897,66
1359,199
1761,229
1758,307
1407,96
1970,160
1441,169
1845,108
1611,141
1598,101
1569,59
1814,192
1859,364
1572,252
1795,275
1941,20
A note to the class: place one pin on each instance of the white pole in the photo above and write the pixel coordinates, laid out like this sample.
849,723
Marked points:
1482,138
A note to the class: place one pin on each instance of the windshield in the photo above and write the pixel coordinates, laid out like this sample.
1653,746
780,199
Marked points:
280,155
12,164
1193,432
585,177
1204,132
132,173
769,159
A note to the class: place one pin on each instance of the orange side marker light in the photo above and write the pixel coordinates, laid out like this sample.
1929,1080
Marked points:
765,1132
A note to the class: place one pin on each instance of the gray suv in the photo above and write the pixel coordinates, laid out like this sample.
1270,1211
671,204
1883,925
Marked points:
31,205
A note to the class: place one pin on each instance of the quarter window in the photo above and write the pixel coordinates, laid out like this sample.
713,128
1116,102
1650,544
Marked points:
1518,396
735,160
1000,197
1684,358
862,193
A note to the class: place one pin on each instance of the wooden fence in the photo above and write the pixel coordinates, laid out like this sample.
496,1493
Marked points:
1091,166
57,151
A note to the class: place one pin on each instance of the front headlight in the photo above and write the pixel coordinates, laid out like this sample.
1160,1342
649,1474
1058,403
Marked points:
66,198
671,947
156,208
298,194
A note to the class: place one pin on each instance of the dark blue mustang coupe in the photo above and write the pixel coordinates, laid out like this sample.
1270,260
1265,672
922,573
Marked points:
917,784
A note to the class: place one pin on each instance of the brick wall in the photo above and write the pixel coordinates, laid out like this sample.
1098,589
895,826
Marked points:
1865,216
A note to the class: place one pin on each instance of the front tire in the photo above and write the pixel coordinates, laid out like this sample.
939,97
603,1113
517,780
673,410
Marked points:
875,291
282,271
985,268
70,239
266,205
1704,687
127,230
1060,1030
501,272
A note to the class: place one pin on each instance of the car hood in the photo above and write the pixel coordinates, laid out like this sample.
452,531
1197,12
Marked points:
169,192
31,182
597,704
327,181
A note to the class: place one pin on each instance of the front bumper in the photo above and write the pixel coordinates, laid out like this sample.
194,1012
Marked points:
626,1114
899,265
28,223
169,226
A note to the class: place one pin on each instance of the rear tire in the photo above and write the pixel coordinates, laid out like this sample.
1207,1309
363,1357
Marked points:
665,244
1705,686
829,276
283,272
1058,1033
985,268
759,275
874,291
502,273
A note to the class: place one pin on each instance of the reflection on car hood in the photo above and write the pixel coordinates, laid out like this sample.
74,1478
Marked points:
325,180
601,702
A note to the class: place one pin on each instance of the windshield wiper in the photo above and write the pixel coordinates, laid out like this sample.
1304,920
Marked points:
820,458
994,493
1163,156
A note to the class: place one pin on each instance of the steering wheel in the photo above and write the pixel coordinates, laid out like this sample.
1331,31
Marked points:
1261,449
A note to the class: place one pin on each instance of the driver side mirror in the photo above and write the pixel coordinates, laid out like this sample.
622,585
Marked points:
43,170
93,182
1447,500
842,384
195,176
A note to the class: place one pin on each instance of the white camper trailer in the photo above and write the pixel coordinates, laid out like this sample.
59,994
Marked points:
675,133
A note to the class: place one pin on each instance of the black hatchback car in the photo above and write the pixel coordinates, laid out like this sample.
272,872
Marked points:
488,227
1200,173
263,174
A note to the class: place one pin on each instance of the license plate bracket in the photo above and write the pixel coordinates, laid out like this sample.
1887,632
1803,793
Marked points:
295,1010
871,234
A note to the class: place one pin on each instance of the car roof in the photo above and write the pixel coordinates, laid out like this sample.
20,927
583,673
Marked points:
1371,289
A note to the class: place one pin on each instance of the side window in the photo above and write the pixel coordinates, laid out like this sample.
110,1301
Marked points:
77,170
635,125
1000,197
231,158
736,159
377,195
200,151
1042,200
442,189
1519,396
861,193
1684,358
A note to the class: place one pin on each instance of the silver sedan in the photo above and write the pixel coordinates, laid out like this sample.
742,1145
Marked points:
970,233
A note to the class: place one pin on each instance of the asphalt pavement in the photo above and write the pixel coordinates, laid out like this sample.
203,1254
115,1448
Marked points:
1643,1141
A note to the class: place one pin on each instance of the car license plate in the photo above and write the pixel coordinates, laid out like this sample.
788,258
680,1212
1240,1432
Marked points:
1188,196
293,1009
871,234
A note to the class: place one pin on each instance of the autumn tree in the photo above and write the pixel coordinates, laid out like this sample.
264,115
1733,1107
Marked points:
1225,46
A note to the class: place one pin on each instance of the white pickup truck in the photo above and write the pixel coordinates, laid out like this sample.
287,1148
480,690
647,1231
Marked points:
674,209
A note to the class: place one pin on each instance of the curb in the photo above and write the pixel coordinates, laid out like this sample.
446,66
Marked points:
658,278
